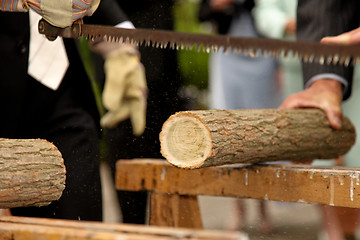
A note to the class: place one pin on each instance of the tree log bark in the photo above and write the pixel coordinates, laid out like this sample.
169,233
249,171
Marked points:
194,139
32,173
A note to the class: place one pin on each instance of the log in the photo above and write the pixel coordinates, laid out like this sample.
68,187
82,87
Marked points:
19,228
193,139
32,173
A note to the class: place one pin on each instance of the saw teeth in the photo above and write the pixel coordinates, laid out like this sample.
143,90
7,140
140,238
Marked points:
342,60
306,58
254,48
347,61
356,60
252,53
328,60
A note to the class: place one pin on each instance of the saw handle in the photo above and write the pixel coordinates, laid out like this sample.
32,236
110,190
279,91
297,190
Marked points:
51,32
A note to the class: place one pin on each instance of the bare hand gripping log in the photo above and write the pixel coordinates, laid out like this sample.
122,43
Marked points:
32,173
194,139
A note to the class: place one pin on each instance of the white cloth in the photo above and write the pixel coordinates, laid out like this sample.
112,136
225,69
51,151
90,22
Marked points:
48,61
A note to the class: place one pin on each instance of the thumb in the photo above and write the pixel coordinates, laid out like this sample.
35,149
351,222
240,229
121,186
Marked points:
115,85
111,119
352,37
343,39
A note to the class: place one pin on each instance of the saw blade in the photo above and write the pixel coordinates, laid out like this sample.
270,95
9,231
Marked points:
307,51
253,47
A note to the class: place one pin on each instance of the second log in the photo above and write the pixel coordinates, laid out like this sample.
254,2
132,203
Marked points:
193,139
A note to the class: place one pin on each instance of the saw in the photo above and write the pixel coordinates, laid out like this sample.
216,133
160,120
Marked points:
306,51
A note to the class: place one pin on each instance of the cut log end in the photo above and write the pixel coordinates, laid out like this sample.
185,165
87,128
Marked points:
188,141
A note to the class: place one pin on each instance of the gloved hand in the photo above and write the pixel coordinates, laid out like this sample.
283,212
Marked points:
125,90
59,13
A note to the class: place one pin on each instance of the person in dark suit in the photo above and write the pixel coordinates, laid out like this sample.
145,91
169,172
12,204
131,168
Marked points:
67,116
326,86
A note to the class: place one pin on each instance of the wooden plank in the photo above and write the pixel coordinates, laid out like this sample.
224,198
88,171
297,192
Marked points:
289,183
175,210
19,228
204,138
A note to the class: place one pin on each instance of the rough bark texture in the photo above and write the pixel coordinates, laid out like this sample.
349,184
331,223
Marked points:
32,173
193,139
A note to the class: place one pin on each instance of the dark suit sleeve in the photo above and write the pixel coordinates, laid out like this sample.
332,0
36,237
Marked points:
319,18
108,13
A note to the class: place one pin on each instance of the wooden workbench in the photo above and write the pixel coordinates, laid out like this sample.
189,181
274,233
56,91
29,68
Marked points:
19,228
174,190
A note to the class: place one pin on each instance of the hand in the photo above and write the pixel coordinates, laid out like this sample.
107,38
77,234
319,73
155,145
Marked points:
290,27
325,94
125,90
348,38
59,13
220,5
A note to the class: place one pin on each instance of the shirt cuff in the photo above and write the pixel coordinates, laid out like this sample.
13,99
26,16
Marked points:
332,76
125,24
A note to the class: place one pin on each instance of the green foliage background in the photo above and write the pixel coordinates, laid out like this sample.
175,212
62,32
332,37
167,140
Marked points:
193,65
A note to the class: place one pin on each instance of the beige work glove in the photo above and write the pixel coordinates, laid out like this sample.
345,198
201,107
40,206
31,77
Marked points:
125,90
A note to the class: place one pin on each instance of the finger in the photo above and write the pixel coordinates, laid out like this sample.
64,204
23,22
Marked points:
297,101
352,37
115,85
290,103
334,116
138,116
343,39
112,119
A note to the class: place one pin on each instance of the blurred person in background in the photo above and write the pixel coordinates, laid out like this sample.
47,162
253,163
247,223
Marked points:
238,81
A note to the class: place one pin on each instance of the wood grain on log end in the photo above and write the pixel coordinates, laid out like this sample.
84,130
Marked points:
188,141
